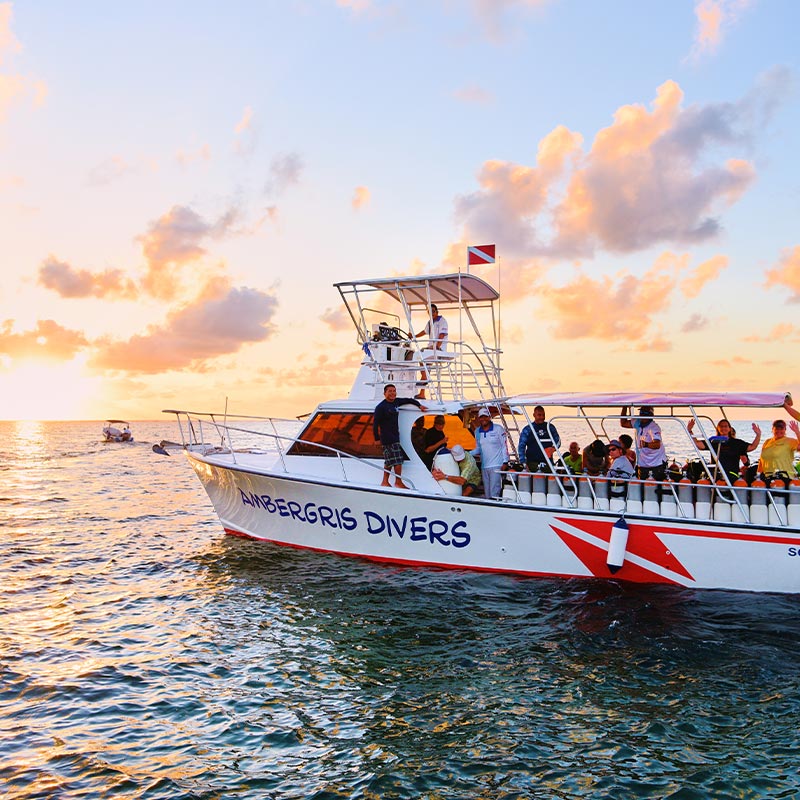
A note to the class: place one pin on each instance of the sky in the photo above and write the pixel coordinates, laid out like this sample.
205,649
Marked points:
182,183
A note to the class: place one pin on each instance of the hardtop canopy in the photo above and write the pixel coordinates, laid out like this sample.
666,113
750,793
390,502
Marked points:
670,399
419,290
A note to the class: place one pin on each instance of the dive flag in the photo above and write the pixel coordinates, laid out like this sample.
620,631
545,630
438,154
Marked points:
480,255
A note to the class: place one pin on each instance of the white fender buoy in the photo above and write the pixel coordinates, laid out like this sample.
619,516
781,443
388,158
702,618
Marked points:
617,545
447,464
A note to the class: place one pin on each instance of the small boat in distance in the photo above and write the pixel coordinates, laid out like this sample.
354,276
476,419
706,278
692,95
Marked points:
320,487
113,433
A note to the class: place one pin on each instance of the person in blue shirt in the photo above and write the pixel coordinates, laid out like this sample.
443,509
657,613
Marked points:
386,427
538,438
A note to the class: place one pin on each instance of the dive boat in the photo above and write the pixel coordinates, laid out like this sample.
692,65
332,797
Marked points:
317,485
112,432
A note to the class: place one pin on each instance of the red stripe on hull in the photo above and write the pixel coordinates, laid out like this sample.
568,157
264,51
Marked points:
412,563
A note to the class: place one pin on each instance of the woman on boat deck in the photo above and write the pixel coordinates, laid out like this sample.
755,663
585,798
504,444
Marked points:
386,428
777,454
728,450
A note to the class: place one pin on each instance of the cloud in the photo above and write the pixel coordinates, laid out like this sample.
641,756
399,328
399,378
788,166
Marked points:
713,18
474,94
336,319
186,157
322,373
653,176
361,198
787,273
246,122
782,332
108,171
705,272
48,340
284,171
618,309
14,86
217,323
696,322
513,195
174,240
493,15
67,281
356,6
246,133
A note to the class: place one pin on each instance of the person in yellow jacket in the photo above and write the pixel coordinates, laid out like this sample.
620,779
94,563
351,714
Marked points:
777,454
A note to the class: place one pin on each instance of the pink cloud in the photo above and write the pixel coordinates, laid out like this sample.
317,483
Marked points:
713,18
361,197
219,322
787,273
706,272
337,319
655,175
14,86
284,171
48,340
175,240
474,94
612,309
70,282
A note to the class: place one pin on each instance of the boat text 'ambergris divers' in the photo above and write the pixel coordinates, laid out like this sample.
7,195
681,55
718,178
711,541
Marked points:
418,529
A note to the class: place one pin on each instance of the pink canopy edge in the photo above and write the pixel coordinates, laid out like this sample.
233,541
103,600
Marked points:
613,399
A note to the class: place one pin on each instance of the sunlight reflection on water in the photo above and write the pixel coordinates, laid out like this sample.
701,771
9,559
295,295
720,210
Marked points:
144,654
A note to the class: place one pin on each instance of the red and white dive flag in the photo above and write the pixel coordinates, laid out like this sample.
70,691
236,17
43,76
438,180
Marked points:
484,254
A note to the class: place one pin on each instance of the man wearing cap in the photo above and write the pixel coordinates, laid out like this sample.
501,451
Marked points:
470,474
386,428
651,458
492,447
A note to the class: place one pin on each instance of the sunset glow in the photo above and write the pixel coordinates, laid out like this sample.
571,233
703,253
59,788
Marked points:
171,226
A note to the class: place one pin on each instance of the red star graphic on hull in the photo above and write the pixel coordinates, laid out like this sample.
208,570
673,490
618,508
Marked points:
642,542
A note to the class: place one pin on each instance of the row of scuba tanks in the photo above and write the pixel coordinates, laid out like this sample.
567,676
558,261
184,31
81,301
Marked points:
774,501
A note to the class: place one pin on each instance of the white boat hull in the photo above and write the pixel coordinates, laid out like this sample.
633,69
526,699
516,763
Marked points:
450,532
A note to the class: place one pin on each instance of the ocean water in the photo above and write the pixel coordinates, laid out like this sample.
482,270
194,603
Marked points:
145,654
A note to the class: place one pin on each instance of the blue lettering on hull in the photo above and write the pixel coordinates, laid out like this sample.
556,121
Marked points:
415,529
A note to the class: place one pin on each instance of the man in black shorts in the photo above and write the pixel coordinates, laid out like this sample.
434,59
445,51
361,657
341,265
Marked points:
387,432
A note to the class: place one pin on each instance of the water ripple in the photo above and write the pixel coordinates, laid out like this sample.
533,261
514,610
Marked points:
143,654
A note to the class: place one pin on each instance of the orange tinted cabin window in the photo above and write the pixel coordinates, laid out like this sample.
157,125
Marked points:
349,433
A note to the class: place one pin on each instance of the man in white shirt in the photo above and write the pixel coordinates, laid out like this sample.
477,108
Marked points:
651,458
492,447
436,334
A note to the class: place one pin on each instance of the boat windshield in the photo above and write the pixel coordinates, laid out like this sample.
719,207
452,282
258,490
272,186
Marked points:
348,432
